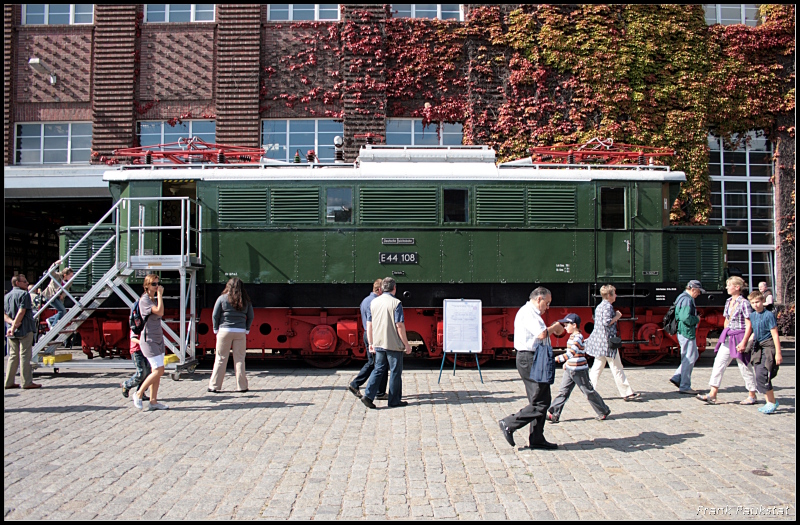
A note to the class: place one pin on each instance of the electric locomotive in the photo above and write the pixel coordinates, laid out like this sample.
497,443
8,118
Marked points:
308,239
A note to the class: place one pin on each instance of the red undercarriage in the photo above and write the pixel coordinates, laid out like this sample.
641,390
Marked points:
329,338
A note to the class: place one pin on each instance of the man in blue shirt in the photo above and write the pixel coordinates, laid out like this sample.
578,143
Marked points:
366,370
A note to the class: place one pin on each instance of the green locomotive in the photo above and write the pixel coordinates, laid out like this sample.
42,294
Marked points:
446,222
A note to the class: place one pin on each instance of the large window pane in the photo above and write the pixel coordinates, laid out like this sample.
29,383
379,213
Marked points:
425,11
84,13
340,205
425,136
180,12
204,12
401,10
34,14
302,12
59,14
328,11
452,134
156,12
279,12
451,12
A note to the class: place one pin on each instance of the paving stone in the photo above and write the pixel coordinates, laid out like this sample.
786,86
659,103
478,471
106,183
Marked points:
301,447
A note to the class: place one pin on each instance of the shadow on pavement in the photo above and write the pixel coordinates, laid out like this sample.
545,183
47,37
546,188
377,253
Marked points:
644,441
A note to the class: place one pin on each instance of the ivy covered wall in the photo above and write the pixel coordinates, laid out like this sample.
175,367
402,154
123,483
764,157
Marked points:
529,75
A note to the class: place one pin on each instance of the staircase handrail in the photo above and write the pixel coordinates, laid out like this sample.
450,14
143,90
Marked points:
65,257
61,285
185,222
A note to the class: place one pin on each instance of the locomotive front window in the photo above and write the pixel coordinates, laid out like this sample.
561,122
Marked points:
456,203
339,205
612,208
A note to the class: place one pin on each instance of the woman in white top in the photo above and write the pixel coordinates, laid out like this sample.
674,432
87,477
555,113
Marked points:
231,320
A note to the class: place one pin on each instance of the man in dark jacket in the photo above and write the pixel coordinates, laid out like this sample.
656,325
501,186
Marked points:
686,314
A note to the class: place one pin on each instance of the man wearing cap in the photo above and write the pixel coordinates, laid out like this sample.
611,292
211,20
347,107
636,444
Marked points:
576,372
686,314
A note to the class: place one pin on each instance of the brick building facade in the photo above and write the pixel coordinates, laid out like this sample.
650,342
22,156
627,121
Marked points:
234,67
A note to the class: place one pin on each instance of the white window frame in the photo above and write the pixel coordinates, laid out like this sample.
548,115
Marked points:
289,153
47,16
165,123
439,134
742,12
747,179
438,12
316,14
192,17
41,143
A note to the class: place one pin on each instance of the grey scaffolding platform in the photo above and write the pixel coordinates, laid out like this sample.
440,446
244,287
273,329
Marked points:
186,262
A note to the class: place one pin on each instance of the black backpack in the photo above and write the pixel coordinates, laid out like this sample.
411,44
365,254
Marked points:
137,322
670,321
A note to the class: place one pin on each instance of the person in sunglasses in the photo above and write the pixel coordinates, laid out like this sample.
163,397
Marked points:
151,341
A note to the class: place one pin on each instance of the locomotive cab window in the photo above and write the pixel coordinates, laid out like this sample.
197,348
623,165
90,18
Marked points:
612,208
339,205
456,204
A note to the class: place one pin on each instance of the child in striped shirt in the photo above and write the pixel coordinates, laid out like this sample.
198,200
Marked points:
576,372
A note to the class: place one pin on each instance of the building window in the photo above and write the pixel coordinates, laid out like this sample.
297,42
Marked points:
38,14
742,199
730,14
301,12
179,12
53,143
410,132
440,11
284,139
153,132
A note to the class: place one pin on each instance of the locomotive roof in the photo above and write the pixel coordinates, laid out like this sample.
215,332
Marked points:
460,163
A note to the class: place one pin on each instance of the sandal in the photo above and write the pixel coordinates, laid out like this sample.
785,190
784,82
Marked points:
749,401
707,399
631,397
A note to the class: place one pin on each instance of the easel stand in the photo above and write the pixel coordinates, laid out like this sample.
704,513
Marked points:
455,359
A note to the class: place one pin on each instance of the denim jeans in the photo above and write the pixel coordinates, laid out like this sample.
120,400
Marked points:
59,306
366,370
387,361
689,354
142,370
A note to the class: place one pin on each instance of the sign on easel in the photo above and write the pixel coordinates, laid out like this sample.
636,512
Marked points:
463,330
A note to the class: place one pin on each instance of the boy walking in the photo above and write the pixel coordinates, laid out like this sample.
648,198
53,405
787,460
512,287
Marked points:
766,350
142,368
576,372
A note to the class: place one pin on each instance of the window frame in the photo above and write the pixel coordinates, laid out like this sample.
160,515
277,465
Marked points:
742,14
625,209
42,150
438,13
316,14
47,16
288,133
192,17
439,133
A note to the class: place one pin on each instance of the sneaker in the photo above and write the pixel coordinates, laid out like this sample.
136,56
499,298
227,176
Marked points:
353,390
551,418
137,402
157,406
676,383
125,390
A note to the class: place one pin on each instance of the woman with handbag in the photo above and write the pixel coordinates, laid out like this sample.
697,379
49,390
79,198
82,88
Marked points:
603,344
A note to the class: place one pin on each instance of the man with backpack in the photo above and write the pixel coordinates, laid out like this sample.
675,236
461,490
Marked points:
687,320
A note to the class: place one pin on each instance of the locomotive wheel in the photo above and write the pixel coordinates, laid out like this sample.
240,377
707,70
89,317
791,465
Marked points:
468,361
642,357
326,361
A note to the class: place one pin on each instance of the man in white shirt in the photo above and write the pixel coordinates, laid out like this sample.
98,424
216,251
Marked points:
530,329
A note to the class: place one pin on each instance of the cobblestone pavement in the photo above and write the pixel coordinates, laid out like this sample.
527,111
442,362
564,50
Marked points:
298,445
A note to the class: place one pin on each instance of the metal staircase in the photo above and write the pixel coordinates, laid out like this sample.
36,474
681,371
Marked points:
114,281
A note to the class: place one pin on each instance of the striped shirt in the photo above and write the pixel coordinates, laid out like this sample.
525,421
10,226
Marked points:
737,311
574,356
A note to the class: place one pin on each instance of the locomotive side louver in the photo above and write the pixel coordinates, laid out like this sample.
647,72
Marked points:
552,206
398,205
243,205
687,260
500,205
710,269
294,205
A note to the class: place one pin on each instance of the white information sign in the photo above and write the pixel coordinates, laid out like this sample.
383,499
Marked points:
463,331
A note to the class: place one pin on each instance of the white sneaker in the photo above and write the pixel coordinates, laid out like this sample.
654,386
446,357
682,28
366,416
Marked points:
137,401
157,406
